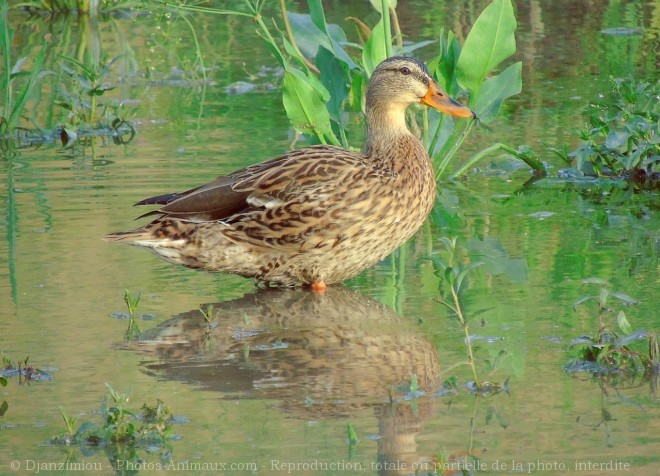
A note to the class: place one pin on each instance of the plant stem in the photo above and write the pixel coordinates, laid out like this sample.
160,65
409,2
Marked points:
533,162
398,36
198,49
289,33
214,11
436,135
387,27
452,151
466,331
5,41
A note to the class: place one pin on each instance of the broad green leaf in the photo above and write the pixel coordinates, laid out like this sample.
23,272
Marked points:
358,91
294,53
374,50
317,14
274,50
305,106
333,78
309,37
495,90
490,41
311,79
408,49
443,66
616,139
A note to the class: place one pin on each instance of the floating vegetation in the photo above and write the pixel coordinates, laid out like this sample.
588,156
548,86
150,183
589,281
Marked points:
87,116
611,351
24,371
123,431
621,138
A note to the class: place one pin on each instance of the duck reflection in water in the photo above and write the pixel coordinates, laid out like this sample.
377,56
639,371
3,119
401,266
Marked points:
329,355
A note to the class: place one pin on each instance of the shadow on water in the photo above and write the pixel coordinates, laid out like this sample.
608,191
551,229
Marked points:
320,356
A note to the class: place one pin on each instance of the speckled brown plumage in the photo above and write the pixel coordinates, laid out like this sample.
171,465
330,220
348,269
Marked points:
316,215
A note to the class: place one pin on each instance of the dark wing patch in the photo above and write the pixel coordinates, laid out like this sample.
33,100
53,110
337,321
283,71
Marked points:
213,201
283,178
160,199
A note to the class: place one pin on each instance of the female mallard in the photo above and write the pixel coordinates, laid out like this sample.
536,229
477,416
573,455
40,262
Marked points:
316,215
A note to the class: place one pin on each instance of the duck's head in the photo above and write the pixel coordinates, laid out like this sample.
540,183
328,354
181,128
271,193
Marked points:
400,81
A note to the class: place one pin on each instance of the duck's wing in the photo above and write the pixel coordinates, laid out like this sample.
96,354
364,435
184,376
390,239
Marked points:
212,201
294,177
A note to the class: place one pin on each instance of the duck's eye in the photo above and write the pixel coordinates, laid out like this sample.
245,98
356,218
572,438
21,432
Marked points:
405,70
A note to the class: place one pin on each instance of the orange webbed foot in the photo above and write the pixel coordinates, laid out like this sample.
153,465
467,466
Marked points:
318,287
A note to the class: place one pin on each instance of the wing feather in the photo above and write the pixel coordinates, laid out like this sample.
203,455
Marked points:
282,203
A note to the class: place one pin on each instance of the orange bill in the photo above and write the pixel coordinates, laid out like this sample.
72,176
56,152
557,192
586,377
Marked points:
438,99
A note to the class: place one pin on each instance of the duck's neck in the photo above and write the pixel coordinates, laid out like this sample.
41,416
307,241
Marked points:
388,137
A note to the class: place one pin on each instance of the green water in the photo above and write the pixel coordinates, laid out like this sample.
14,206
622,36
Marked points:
272,385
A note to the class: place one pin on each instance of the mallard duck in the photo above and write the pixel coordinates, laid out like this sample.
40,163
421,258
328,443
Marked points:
318,215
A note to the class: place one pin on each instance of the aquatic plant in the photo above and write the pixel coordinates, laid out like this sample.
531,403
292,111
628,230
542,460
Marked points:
609,351
4,406
82,103
353,440
132,302
325,75
621,137
86,115
25,372
455,274
123,430
13,105
133,331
